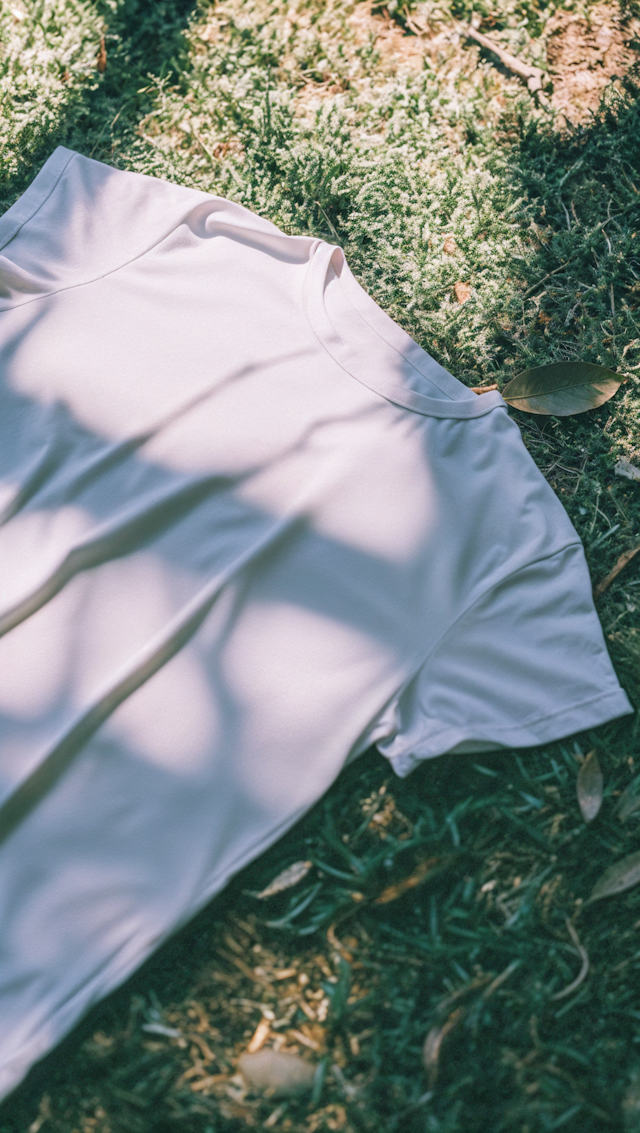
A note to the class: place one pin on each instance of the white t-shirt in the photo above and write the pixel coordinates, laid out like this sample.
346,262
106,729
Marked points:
247,527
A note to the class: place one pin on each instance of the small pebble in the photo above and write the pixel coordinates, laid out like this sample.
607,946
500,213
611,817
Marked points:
280,1075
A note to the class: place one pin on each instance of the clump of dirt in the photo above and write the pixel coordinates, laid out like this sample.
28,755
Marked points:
586,55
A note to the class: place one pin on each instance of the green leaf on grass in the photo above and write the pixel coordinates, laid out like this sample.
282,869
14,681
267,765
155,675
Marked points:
618,877
629,801
562,388
590,786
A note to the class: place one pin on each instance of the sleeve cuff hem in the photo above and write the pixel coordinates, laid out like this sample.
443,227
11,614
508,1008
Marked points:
404,756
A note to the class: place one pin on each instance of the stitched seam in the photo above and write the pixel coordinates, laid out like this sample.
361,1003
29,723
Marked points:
531,722
36,210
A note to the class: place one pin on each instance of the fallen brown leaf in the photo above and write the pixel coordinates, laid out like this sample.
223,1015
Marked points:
449,246
462,291
483,389
589,787
622,562
101,58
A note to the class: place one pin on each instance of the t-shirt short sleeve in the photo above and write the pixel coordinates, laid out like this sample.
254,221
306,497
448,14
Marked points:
524,665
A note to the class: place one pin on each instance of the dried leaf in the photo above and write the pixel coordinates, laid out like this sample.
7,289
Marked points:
462,291
618,877
589,787
449,246
286,880
562,388
629,801
276,1073
627,469
101,60
392,892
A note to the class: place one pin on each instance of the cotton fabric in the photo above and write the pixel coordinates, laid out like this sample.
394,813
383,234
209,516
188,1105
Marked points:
247,528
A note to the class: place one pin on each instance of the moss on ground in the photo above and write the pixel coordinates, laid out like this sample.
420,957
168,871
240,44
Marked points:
432,167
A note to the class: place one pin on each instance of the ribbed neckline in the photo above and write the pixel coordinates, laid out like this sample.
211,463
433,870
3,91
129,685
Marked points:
371,346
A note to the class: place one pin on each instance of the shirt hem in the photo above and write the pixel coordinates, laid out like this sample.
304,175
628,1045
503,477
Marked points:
121,967
544,729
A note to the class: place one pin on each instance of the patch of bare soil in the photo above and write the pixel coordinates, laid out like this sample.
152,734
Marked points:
394,46
585,56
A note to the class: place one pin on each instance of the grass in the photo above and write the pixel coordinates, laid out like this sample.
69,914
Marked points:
332,121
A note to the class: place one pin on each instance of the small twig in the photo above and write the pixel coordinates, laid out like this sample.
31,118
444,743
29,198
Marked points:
544,279
531,75
337,945
433,1043
483,389
502,978
584,970
620,565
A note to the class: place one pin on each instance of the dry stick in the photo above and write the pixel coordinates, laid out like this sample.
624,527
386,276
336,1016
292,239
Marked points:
544,279
531,75
620,565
